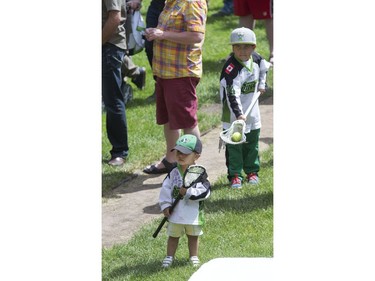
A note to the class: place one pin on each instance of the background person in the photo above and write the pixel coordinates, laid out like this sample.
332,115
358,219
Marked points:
251,10
113,52
129,69
177,64
226,10
152,17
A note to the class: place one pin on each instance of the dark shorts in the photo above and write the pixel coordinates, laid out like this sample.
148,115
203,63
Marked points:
177,102
259,9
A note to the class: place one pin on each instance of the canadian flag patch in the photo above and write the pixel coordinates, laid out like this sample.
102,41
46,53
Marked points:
229,68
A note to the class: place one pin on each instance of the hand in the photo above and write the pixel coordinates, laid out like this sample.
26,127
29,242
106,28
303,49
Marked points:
166,212
153,33
183,191
262,91
241,117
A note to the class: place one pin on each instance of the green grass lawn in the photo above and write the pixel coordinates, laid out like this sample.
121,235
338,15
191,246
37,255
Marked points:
146,139
239,223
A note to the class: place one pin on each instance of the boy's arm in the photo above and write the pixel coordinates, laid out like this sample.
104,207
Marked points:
165,196
263,69
232,92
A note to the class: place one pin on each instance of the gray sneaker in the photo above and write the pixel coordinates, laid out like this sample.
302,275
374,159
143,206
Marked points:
116,161
140,79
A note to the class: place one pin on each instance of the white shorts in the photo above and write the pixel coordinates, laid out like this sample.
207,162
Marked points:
177,230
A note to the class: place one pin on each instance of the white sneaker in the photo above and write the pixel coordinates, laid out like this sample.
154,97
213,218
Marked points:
167,262
195,261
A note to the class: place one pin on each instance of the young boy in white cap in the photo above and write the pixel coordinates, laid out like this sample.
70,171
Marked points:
187,216
243,74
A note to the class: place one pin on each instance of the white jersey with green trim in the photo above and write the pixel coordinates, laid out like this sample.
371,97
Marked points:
190,209
239,81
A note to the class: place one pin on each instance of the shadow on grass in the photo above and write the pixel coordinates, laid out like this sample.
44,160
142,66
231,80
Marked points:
145,269
243,204
129,184
113,180
152,209
128,271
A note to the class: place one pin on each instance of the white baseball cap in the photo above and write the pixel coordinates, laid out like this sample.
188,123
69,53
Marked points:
243,35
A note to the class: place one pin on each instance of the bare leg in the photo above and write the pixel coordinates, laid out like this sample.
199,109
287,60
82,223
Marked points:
172,245
193,131
269,31
247,21
171,136
193,245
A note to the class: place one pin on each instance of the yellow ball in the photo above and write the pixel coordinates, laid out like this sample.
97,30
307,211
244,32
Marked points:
236,137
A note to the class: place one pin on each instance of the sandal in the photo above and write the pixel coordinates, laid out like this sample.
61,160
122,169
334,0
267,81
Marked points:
153,170
167,168
167,262
195,261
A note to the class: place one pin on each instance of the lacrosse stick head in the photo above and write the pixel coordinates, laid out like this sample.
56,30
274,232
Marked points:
193,174
237,126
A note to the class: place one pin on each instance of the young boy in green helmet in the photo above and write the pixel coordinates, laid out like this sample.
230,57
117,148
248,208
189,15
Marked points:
187,217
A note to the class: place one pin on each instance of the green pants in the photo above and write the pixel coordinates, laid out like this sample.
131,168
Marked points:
243,156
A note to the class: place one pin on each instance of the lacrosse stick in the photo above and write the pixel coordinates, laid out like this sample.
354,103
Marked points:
192,175
238,126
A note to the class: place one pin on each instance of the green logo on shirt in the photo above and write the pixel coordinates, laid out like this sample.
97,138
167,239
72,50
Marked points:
248,87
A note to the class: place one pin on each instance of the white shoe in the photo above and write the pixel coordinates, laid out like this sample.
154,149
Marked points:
117,161
195,261
167,262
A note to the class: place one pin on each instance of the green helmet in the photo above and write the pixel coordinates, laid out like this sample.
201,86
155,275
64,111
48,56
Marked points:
243,35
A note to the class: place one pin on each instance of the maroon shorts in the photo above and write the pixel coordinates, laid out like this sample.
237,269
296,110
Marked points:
259,9
177,102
